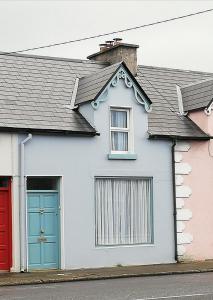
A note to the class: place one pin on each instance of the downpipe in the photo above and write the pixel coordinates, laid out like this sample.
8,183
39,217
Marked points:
174,199
22,210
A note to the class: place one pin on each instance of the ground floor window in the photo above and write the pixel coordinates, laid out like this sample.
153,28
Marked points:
123,211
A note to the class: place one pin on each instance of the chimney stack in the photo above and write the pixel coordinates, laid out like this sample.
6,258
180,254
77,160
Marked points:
114,51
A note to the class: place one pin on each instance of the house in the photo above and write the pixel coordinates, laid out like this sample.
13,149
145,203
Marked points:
88,151
194,163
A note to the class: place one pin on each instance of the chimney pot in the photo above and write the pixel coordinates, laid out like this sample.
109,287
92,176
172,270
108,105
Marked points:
102,47
109,44
117,40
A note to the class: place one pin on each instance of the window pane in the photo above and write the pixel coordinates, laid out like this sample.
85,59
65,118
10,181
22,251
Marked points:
123,211
119,141
4,182
42,183
119,119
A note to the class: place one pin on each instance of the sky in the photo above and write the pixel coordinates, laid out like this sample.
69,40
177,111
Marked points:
182,44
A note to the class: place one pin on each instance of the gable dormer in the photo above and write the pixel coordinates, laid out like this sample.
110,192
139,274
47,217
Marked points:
197,102
95,88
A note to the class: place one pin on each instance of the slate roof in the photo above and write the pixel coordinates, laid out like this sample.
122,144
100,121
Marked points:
91,85
36,91
197,95
160,85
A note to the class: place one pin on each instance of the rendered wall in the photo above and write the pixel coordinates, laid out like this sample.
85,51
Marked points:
9,167
195,204
79,159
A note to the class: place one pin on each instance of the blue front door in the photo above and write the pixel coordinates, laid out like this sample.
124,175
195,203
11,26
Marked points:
43,230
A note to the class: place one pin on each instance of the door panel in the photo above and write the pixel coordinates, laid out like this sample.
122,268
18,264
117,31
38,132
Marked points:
43,229
5,229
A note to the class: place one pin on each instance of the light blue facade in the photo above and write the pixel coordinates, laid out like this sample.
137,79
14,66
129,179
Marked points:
78,160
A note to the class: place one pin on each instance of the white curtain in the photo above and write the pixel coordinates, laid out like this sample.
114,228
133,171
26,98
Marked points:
118,119
119,141
123,211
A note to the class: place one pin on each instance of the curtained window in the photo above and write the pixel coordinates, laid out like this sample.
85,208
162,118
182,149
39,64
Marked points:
120,129
123,211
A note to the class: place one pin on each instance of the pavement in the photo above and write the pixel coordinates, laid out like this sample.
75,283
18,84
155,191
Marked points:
55,276
196,286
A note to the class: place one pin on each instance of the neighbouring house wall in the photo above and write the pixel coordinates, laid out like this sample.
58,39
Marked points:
205,122
79,159
194,181
9,167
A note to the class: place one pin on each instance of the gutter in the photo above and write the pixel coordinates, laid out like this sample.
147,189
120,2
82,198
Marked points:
174,199
174,137
22,209
49,131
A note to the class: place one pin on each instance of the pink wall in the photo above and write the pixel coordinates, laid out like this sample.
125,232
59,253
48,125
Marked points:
203,121
200,180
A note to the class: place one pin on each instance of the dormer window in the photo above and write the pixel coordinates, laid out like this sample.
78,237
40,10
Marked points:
120,130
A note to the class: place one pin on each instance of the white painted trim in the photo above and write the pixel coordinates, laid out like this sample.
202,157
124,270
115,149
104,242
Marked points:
178,157
62,226
42,175
182,146
182,168
184,238
179,203
180,101
184,214
180,226
123,246
209,108
179,180
74,93
15,203
26,224
183,192
15,225
181,250
129,130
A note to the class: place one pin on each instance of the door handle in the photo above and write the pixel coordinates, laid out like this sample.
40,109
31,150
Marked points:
42,231
42,239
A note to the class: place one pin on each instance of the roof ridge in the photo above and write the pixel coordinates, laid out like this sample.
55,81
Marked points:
197,82
101,70
175,69
2,54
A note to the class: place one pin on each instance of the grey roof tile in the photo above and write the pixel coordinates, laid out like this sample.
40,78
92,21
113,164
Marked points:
34,92
197,95
160,86
91,85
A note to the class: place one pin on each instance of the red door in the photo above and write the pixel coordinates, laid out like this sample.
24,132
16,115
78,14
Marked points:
5,224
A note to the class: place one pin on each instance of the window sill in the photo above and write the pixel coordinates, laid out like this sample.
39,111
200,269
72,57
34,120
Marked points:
123,246
123,156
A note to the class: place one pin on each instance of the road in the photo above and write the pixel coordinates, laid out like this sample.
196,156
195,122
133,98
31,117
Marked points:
188,287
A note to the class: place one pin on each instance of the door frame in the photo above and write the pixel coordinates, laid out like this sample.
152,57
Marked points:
61,258
10,226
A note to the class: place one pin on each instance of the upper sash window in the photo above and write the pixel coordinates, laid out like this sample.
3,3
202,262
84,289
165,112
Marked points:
120,130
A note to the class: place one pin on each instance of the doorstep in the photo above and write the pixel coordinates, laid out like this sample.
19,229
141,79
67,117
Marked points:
54,276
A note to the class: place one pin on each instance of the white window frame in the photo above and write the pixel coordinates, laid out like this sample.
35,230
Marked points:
128,110
152,242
